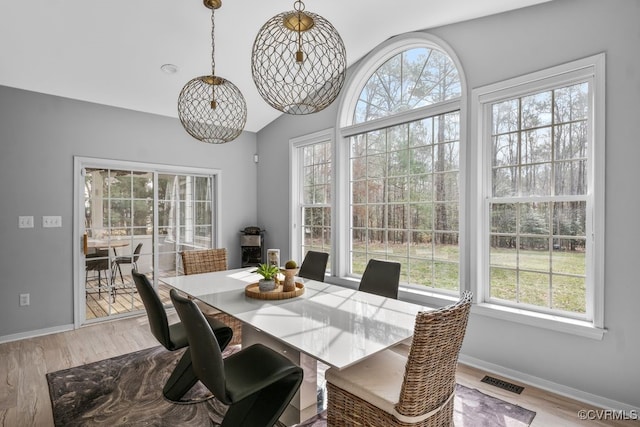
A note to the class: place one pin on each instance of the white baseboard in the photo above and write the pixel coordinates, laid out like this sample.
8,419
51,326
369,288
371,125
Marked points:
581,396
36,333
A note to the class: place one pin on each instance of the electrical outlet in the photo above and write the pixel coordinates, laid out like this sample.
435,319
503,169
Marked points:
25,222
51,221
25,299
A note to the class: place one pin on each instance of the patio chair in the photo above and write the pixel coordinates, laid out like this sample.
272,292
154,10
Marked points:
99,262
174,337
314,266
257,383
389,389
206,261
133,260
381,278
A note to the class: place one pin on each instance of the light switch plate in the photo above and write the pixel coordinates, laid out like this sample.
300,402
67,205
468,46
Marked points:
51,221
25,222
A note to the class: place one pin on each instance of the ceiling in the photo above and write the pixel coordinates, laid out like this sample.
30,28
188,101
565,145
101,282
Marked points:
110,52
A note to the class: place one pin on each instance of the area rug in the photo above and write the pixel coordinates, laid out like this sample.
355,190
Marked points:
127,391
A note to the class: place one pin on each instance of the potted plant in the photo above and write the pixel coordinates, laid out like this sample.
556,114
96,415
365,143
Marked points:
268,273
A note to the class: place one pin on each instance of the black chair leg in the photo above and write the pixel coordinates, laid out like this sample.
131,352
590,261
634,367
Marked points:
263,409
181,380
120,271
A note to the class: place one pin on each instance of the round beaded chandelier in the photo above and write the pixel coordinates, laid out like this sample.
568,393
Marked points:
298,62
211,108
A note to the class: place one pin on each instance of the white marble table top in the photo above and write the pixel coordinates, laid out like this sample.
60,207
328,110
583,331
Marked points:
336,325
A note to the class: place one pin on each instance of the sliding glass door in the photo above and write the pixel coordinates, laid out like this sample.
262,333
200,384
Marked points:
132,215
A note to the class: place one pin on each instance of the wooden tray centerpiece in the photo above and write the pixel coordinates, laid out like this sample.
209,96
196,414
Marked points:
253,291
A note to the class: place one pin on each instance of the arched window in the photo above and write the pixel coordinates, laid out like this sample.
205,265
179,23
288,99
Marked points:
400,120
411,79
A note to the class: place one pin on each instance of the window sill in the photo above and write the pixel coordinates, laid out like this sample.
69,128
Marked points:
541,320
555,323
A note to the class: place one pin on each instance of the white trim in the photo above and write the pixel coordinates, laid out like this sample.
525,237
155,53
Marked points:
541,320
36,333
549,386
592,69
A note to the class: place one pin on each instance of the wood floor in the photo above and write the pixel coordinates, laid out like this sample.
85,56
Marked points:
24,396
124,300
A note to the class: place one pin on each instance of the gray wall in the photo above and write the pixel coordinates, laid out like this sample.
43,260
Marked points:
500,47
39,135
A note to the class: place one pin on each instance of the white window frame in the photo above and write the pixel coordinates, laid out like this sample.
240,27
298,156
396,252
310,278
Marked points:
81,163
590,69
296,184
346,128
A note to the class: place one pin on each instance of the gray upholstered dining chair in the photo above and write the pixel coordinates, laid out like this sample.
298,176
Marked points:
389,389
174,337
381,278
314,265
256,382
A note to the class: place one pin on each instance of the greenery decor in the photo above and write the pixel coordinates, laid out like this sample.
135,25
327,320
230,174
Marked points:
291,264
269,272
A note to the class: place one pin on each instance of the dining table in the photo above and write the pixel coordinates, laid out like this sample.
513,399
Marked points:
332,324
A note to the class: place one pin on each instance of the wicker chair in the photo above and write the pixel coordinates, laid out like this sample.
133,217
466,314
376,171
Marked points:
390,389
206,261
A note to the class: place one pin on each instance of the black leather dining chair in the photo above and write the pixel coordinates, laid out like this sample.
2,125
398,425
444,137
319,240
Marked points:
314,266
174,337
381,278
257,383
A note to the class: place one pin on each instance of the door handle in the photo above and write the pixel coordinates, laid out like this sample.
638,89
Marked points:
85,244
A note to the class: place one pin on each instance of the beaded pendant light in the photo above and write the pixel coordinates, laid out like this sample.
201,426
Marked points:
211,108
298,62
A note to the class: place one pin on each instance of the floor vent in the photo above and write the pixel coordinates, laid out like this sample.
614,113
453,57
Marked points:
502,384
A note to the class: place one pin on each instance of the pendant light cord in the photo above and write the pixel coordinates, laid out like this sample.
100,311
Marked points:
213,43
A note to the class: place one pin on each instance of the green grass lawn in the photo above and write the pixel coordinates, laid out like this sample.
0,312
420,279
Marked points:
551,279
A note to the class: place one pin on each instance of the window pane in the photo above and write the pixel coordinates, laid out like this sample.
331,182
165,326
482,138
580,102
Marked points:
505,116
504,284
315,169
421,188
571,103
408,167
571,141
534,254
536,110
535,180
539,148
420,216
536,146
534,218
411,79
571,178
420,160
569,293
505,150
503,218
504,182
534,288
569,218
503,252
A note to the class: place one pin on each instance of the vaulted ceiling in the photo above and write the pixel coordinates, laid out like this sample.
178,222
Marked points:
110,52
